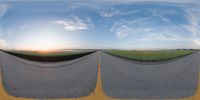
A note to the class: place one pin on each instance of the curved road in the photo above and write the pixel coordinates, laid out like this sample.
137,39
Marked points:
23,78
127,79
121,78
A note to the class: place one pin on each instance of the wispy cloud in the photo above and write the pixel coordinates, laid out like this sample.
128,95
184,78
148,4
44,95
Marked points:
121,31
75,24
193,26
116,12
196,41
110,2
24,26
162,14
2,44
163,37
124,28
170,1
124,31
3,8
193,17
109,13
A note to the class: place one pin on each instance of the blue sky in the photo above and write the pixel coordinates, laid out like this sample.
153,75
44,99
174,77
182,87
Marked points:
130,24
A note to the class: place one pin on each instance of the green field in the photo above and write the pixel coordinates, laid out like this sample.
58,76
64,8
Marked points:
49,53
50,56
150,55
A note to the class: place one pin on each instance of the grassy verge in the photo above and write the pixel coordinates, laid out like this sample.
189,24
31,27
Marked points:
150,56
50,56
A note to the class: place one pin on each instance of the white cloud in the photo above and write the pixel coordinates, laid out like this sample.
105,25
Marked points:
193,26
163,37
122,31
24,26
2,44
159,13
3,8
116,12
170,1
149,29
162,14
109,13
75,24
193,17
196,41
10,33
129,12
124,28
141,31
110,2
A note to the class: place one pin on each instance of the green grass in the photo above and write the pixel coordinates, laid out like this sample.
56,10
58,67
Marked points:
50,56
49,53
159,55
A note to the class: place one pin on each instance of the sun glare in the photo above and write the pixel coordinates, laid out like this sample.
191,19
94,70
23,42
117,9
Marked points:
42,42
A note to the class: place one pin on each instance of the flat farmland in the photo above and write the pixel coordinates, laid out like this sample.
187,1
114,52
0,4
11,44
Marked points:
49,56
150,55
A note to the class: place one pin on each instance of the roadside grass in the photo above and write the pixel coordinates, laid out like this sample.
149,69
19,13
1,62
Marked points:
50,56
150,55
49,53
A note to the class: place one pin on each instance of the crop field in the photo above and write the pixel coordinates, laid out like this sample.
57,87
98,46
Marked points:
49,53
150,55
49,56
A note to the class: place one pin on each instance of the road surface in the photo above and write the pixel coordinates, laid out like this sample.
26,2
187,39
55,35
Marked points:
127,79
23,78
120,78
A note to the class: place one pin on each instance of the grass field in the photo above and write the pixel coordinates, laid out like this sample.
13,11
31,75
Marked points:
159,55
50,56
49,53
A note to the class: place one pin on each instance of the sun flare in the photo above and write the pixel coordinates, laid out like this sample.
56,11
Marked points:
42,42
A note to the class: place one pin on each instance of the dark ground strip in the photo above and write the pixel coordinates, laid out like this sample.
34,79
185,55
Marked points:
49,59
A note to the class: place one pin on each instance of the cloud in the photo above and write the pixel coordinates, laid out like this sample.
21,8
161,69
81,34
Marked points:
122,31
163,14
196,41
145,24
109,13
163,37
169,1
193,25
24,26
116,12
159,13
10,33
75,24
111,2
193,17
2,44
129,12
3,8
124,28
142,31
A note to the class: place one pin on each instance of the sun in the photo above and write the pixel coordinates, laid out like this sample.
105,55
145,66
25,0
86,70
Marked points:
44,37
42,42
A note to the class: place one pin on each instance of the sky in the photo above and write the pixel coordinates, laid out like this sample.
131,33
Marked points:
100,24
